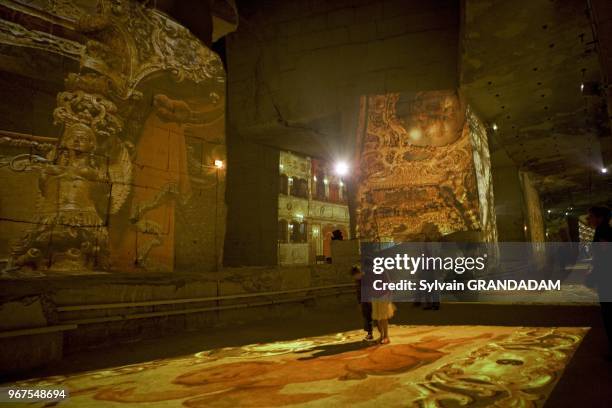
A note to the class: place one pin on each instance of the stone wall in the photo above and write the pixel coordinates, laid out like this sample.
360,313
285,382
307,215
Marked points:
296,69
509,205
252,197
55,316
112,141
519,209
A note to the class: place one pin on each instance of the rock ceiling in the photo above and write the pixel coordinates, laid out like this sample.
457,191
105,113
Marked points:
522,66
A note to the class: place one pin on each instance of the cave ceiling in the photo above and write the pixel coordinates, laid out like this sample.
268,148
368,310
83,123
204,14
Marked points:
522,66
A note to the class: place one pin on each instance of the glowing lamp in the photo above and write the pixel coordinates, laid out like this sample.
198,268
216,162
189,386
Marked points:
219,164
341,168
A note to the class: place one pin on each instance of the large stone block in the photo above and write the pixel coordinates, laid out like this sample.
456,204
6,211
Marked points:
422,174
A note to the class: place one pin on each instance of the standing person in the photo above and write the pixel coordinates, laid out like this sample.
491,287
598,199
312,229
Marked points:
366,307
601,272
382,311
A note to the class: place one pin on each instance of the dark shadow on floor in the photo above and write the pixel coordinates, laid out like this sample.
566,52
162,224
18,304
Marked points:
333,349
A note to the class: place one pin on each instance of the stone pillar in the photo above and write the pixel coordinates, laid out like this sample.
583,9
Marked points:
424,168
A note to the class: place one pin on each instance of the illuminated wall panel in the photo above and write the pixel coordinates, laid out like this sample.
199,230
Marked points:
423,165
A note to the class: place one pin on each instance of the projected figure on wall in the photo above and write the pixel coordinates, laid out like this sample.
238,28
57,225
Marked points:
69,234
163,179
126,53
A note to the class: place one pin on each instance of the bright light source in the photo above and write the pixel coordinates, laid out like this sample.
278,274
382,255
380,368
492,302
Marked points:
341,168
604,170
219,164
582,87
325,181
549,211
525,228
314,178
341,183
566,213
280,166
494,126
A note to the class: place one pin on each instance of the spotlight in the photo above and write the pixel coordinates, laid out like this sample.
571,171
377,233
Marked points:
604,170
341,168
494,127
566,213
549,211
219,164
582,87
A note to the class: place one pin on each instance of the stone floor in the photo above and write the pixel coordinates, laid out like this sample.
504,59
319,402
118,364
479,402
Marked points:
465,353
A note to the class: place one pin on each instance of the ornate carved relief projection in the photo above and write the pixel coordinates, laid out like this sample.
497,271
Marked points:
88,173
70,232
416,170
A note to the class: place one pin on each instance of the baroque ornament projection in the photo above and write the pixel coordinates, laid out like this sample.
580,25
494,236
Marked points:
424,168
119,130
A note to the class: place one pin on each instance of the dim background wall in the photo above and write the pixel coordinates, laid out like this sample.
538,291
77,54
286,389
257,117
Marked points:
252,199
296,69
517,202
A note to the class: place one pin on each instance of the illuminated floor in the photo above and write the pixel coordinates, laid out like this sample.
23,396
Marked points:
423,366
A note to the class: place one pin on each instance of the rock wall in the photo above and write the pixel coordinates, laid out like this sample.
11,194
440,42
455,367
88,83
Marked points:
252,197
296,69
53,316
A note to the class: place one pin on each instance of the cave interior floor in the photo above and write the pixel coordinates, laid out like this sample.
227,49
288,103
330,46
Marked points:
538,354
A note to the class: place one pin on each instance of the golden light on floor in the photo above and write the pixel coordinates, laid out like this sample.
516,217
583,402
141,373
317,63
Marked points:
423,366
